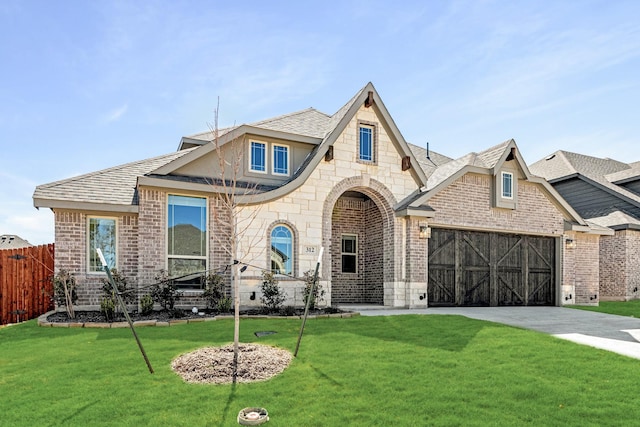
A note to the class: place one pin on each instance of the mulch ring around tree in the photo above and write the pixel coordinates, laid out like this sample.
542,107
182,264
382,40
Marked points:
214,365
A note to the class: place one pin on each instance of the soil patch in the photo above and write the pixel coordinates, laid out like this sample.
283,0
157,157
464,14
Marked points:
214,365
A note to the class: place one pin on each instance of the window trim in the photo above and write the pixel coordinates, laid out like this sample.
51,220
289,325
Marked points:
88,243
354,254
292,245
503,175
265,155
374,142
273,159
204,257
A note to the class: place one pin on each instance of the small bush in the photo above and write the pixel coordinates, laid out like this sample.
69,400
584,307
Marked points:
164,291
288,310
64,291
108,308
213,290
121,284
146,304
224,305
318,292
272,296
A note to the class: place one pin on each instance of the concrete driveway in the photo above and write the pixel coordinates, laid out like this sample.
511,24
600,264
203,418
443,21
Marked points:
605,331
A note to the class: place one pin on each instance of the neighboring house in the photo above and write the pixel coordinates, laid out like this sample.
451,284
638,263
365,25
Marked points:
11,241
400,227
606,192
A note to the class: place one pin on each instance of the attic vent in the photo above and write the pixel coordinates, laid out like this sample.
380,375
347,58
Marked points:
550,157
512,154
406,163
369,101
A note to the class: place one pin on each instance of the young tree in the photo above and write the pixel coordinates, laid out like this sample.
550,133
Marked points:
234,215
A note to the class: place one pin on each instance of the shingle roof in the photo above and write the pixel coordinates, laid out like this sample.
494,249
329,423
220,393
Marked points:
115,185
615,218
484,159
429,161
309,122
563,164
11,241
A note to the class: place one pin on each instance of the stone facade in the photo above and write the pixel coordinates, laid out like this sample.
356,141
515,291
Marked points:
341,195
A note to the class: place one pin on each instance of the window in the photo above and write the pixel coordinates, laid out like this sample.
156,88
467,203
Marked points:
258,157
187,239
102,235
280,159
365,151
349,253
507,185
281,250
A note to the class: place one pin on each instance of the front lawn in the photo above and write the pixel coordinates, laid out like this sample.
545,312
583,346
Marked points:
364,371
621,308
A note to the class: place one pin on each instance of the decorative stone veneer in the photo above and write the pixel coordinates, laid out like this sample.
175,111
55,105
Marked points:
310,208
619,266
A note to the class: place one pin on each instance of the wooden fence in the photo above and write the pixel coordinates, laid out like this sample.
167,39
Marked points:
25,286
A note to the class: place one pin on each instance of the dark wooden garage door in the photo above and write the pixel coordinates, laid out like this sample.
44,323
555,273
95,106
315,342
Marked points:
470,268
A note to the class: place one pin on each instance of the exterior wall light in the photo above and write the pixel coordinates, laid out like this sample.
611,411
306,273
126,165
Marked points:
424,232
571,244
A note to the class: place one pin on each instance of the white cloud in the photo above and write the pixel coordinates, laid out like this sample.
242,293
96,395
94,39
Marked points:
116,114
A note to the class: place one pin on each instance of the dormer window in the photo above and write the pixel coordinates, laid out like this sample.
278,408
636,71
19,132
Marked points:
507,185
258,157
280,159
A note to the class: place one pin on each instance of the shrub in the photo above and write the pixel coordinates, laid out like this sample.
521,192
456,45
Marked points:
164,291
64,291
108,308
121,284
146,304
272,296
318,292
214,290
224,304
288,310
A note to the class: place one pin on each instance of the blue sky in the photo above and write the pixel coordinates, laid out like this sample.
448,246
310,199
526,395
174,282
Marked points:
87,85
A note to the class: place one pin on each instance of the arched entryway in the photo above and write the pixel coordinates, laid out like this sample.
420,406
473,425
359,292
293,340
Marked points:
359,233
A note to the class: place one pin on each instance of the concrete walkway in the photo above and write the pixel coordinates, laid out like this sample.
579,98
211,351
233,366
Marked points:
618,334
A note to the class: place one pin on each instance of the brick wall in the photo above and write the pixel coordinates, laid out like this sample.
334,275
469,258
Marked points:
613,266
467,203
619,267
581,269
71,236
374,253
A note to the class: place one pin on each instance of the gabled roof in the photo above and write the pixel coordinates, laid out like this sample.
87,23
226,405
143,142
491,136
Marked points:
305,123
564,163
488,161
601,173
114,187
316,127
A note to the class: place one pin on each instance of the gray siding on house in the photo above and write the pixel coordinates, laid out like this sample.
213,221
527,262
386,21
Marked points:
590,201
632,186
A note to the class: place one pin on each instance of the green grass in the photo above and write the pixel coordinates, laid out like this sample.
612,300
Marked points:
621,308
365,371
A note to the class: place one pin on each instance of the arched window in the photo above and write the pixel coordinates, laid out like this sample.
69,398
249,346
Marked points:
281,250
